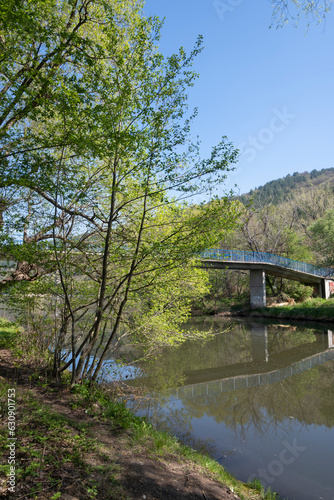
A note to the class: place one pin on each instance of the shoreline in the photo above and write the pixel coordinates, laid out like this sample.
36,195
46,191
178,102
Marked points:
312,310
81,444
126,450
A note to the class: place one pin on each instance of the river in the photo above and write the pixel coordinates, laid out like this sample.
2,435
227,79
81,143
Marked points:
258,397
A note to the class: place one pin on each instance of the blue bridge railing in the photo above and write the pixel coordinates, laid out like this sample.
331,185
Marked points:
245,256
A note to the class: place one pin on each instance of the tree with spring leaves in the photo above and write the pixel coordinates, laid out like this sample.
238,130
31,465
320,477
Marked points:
97,174
52,56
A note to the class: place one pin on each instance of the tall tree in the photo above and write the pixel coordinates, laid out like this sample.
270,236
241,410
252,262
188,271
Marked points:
53,54
103,171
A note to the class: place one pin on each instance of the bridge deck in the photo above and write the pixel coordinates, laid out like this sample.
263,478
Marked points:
271,269
274,265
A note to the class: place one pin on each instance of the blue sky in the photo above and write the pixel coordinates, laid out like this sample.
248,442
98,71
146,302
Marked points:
270,91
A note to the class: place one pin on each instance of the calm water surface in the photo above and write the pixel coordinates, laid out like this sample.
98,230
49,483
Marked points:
259,398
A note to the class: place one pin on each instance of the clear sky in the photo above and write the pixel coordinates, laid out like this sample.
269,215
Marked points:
270,91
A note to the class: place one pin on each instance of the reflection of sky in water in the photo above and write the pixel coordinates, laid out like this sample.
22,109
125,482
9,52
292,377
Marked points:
113,370
292,458
280,430
306,470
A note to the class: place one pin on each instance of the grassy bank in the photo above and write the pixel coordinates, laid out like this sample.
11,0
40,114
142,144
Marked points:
319,310
81,444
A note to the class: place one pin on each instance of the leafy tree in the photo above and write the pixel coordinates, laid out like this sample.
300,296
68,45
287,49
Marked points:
102,171
323,238
54,56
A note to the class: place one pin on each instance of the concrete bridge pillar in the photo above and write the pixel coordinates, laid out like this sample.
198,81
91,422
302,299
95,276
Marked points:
323,289
327,289
257,288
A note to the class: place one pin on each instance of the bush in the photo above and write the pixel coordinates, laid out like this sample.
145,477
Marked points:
8,334
299,292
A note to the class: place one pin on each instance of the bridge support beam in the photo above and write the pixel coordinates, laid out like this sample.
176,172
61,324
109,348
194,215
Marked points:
257,288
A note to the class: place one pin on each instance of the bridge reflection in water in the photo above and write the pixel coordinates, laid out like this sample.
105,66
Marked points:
248,394
255,373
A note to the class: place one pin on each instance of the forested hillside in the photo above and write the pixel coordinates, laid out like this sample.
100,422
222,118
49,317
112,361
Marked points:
280,190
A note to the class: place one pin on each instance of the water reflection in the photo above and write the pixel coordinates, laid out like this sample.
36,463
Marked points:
260,396
259,343
330,339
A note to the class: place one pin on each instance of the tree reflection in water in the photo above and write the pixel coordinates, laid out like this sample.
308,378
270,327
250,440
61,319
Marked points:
243,351
248,395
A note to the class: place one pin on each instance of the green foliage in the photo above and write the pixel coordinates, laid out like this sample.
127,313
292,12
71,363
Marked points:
9,333
312,310
99,161
280,190
311,10
56,495
298,291
43,433
30,347
279,222
96,399
265,494
157,314
226,288
323,238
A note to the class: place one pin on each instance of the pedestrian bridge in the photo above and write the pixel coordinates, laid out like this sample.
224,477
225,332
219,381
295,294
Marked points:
261,263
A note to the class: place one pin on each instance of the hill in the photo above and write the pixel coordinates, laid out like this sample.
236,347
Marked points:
280,190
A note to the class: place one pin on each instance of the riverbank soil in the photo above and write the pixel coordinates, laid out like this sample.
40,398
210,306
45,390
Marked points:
64,450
